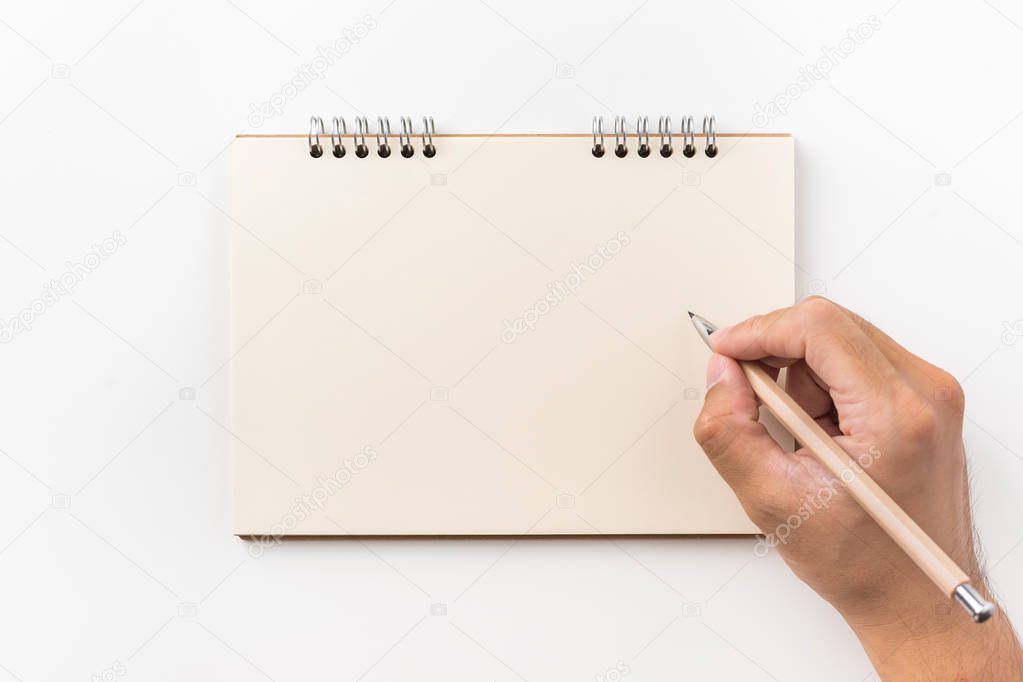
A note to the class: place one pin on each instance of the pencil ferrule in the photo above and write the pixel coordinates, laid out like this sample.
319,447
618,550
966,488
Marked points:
980,609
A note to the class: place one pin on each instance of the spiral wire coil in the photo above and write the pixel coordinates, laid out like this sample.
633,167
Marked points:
407,134
429,151
621,137
338,131
665,135
643,136
598,133
316,130
362,130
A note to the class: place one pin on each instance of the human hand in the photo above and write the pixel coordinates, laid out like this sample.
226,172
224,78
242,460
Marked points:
901,418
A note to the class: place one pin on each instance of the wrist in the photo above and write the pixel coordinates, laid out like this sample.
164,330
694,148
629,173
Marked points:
933,638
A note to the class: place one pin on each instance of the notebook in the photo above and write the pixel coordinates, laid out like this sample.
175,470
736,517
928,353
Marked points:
458,334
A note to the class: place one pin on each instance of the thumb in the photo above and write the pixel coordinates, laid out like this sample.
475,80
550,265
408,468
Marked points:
736,443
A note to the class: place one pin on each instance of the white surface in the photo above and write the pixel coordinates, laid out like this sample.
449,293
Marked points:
96,581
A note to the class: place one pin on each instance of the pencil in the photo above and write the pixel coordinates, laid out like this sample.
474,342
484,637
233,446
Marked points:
924,552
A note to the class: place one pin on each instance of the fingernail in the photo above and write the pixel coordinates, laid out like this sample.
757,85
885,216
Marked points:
715,368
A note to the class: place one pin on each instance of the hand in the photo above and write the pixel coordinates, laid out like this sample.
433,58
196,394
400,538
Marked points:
902,419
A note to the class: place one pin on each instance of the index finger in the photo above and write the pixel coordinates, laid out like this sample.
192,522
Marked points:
833,345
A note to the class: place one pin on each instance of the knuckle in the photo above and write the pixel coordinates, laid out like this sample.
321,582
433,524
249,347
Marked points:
949,392
758,324
707,428
818,309
713,433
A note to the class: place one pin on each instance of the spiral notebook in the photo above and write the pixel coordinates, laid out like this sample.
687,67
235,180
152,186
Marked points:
458,334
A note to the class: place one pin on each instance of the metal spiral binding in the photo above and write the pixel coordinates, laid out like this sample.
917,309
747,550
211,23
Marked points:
338,130
429,151
316,129
383,130
643,136
382,134
664,130
405,137
665,137
711,135
688,137
620,137
598,130
359,137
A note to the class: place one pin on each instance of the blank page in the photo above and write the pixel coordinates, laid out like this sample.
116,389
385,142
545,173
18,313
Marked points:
494,340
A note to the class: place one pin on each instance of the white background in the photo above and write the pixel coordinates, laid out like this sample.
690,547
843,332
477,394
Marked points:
115,548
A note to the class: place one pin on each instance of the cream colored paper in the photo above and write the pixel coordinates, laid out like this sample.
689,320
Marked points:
492,341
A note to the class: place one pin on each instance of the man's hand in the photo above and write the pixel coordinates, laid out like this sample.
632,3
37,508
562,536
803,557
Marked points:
901,418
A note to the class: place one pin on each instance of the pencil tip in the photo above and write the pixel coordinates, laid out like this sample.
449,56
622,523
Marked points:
691,316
